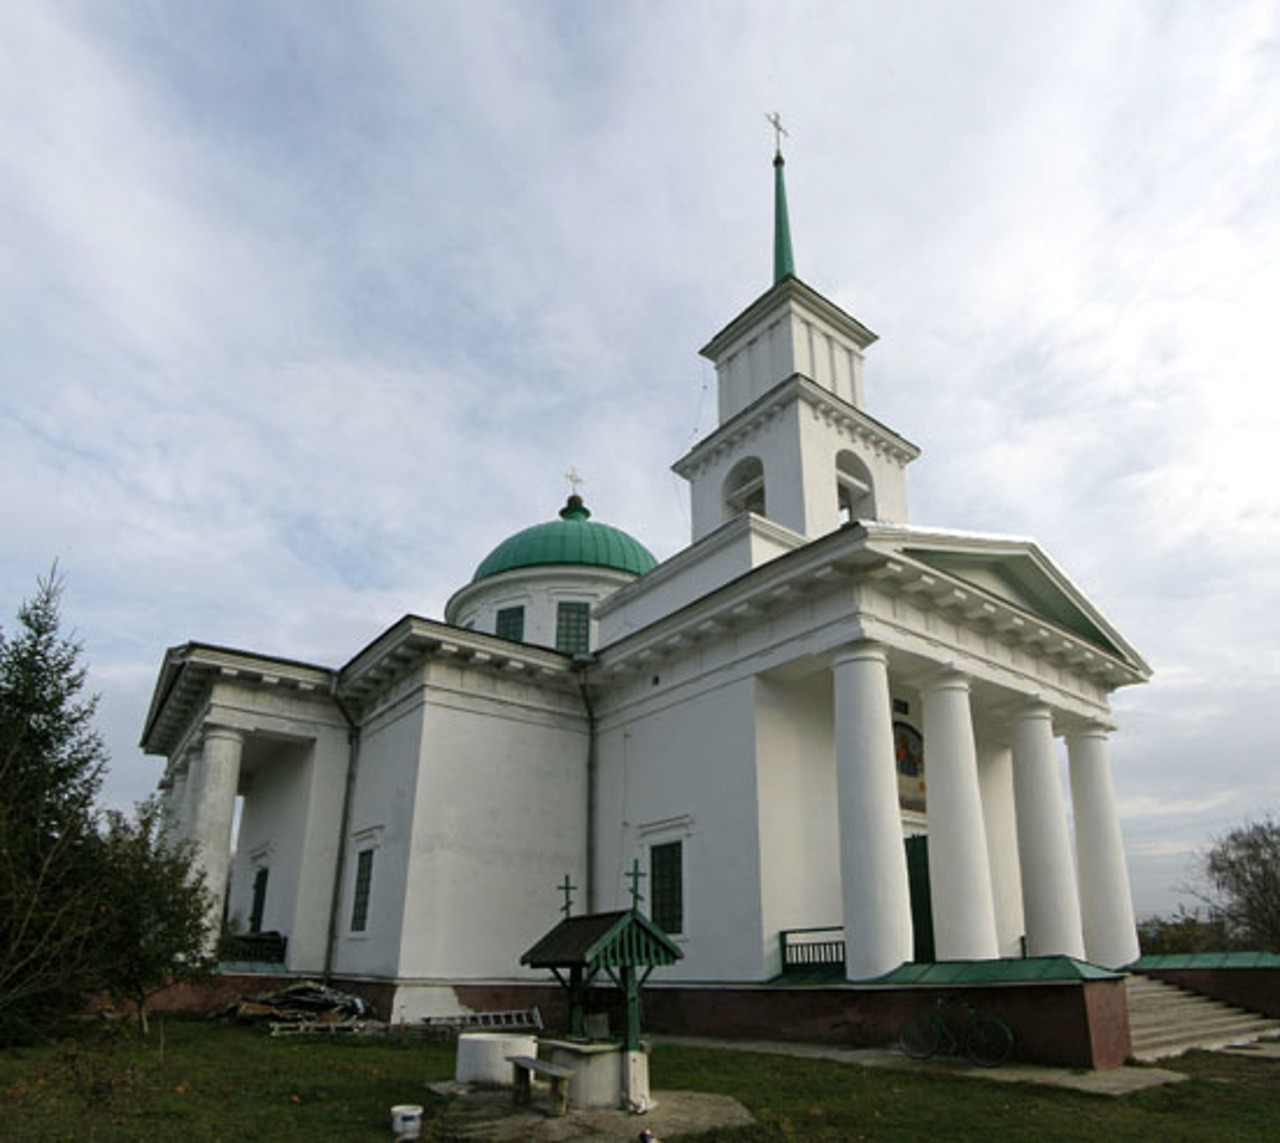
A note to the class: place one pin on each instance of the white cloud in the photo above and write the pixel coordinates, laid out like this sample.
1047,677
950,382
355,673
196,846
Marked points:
303,315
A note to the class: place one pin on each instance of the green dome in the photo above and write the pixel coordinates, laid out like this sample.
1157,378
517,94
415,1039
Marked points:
573,539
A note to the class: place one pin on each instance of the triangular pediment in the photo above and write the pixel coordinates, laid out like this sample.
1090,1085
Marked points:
1015,571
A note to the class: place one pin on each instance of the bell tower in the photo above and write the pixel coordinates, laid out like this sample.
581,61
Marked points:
794,443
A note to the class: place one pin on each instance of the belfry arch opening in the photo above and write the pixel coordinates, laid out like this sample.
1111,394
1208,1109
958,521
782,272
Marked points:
855,491
744,488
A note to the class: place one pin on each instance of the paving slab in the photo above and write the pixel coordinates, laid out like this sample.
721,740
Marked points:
1110,1081
490,1114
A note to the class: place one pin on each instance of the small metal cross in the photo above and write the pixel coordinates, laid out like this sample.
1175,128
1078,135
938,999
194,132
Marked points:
775,120
574,479
634,877
567,888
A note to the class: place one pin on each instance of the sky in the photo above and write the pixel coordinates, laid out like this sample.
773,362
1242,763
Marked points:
305,306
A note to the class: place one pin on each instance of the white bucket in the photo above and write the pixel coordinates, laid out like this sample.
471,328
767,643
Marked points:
482,1056
406,1120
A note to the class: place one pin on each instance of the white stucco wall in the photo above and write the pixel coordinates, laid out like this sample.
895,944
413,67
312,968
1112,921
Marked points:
791,339
686,768
731,551
499,813
381,818
796,783
272,824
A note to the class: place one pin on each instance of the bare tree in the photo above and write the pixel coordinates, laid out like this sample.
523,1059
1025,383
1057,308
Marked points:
1243,871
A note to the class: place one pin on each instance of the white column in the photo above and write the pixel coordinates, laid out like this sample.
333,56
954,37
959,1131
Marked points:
1049,900
995,780
212,810
1106,905
964,925
873,859
184,800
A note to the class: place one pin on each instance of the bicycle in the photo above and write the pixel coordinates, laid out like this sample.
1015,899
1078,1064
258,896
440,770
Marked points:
985,1039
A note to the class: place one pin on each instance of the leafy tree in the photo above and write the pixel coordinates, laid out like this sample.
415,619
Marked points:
156,905
51,767
1243,871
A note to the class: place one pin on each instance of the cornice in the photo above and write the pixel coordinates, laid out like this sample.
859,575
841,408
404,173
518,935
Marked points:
849,556
413,640
790,289
189,672
855,425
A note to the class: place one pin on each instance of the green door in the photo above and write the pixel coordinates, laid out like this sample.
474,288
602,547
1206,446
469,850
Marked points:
921,901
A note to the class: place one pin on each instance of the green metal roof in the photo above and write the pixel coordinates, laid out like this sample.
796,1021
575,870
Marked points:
573,539
1021,970
1207,960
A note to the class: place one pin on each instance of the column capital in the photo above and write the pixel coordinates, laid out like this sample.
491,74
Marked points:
1099,730
946,679
863,650
223,733
1033,710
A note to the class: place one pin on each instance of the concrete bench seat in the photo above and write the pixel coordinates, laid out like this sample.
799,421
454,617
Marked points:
527,1066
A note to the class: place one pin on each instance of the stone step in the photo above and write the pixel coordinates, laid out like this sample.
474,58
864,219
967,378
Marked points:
1239,1026
1177,1045
1199,1017
1174,1004
1165,1020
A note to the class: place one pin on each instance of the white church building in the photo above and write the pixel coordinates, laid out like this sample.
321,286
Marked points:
818,715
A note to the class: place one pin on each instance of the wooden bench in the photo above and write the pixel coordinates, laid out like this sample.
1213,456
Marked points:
559,1077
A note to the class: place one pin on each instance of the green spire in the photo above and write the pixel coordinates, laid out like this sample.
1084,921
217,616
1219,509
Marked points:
784,263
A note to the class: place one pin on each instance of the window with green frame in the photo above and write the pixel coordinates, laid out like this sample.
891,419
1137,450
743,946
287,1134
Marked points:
259,901
510,623
573,628
360,899
666,885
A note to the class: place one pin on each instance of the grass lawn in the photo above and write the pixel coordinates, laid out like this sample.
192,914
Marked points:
215,1081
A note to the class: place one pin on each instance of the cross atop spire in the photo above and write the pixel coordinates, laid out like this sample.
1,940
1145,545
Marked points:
784,263
775,120
574,480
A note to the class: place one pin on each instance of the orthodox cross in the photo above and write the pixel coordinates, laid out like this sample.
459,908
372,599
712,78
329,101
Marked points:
634,877
567,888
775,121
574,479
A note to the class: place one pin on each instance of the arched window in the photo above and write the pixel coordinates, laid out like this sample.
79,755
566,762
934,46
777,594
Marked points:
744,488
854,489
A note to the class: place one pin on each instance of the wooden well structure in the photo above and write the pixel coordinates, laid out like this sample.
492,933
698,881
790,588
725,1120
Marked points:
625,945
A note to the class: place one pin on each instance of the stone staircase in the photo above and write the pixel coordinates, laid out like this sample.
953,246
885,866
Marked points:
1165,1020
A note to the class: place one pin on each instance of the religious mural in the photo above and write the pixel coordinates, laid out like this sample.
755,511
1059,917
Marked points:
908,748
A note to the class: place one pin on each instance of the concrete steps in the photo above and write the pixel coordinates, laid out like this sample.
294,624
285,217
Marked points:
1165,1020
